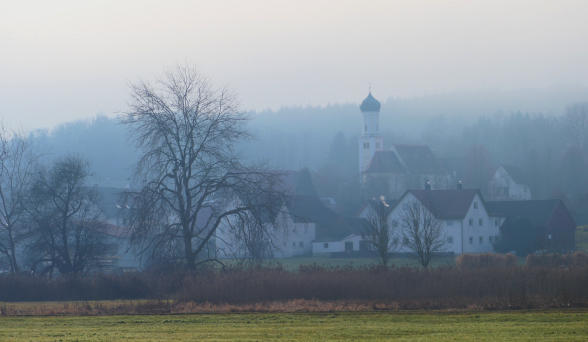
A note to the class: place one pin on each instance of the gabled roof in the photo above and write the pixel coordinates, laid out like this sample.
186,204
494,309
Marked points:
446,204
385,162
515,173
329,224
539,212
418,159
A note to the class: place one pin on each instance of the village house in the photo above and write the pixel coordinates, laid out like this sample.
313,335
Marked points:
461,213
302,219
507,183
554,225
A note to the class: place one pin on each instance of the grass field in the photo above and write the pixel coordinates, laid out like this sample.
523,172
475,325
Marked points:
429,326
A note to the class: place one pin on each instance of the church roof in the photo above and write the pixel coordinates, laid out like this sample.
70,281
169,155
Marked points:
370,104
385,162
418,159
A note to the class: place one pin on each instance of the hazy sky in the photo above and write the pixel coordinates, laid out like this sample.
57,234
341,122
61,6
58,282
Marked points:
63,60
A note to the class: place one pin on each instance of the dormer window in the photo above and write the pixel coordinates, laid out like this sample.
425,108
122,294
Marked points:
475,204
471,222
480,222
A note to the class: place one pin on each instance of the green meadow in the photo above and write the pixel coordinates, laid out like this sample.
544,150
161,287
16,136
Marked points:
567,325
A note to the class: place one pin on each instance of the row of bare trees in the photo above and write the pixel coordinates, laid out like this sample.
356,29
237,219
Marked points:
419,229
188,181
49,218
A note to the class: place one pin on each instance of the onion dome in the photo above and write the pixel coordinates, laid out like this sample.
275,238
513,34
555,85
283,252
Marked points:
370,104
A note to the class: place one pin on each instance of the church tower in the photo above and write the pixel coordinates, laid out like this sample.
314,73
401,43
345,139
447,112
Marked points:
370,141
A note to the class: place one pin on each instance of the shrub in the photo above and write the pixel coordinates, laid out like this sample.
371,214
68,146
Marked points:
577,259
489,260
410,288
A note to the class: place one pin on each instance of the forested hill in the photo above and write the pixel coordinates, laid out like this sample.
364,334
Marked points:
296,137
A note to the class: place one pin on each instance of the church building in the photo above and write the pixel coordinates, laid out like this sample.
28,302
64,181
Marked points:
392,171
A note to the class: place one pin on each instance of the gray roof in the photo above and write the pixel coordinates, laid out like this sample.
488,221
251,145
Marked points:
515,173
418,159
539,212
446,204
385,162
329,224
370,104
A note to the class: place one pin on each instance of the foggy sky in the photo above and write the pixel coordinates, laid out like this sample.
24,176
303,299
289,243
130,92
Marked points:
64,60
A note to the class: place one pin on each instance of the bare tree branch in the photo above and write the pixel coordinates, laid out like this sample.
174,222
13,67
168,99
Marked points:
188,173
421,231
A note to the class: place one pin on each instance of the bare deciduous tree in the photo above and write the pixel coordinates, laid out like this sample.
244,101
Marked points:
421,231
67,231
189,174
16,169
252,240
378,232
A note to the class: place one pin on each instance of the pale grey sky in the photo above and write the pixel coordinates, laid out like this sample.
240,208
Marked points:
64,60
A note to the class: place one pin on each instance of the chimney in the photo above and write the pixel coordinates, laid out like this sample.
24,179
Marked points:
427,185
459,185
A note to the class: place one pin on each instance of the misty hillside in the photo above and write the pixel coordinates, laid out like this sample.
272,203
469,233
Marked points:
511,127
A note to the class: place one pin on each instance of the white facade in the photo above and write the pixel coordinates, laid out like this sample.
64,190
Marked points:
474,233
287,238
503,187
347,244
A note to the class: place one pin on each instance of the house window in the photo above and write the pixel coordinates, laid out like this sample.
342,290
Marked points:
301,244
480,222
471,222
450,239
481,239
490,238
366,145
496,222
348,246
326,245
471,240
294,244
475,204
